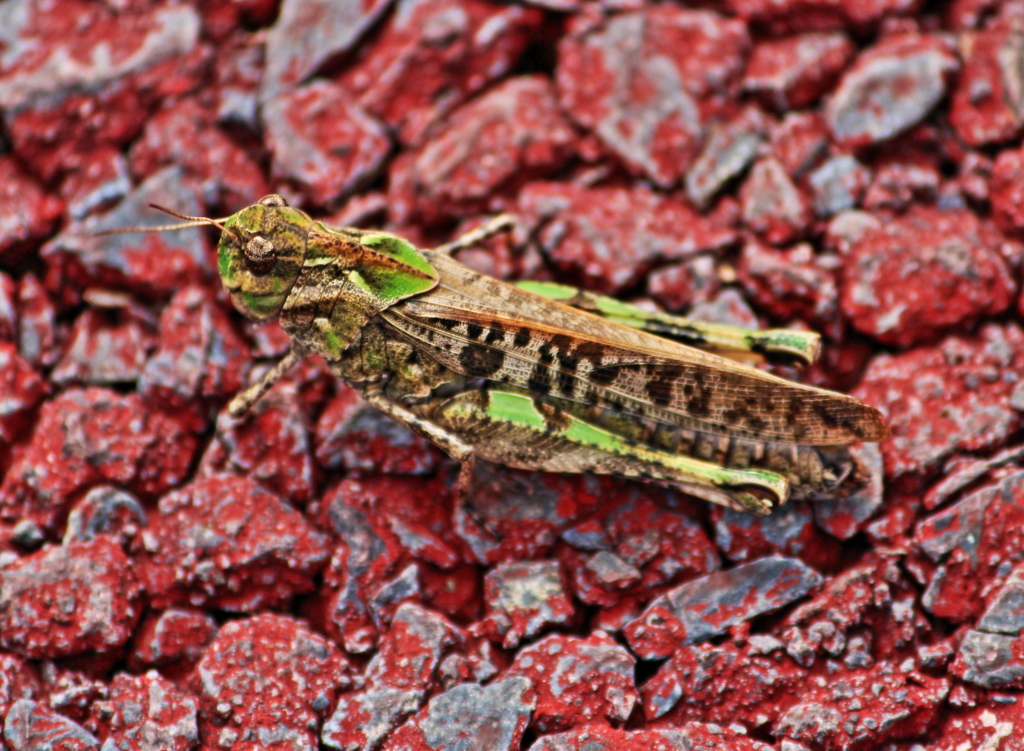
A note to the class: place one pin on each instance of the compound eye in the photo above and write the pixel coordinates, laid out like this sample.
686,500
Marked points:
259,252
273,200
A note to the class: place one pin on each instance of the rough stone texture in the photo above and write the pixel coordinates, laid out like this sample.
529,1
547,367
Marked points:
30,726
267,682
23,390
469,716
729,148
988,100
609,237
722,683
863,709
172,640
453,50
577,681
397,679
486,149
890,89
322,142
793,72
924,274
90,437
524,599
693,735
68,600
953,396
353,435
308,33
29,213
698,610
646,83
153,264
971,546
146,711
271,445
226,542
105,349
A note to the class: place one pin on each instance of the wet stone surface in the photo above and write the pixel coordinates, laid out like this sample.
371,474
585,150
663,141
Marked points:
308,575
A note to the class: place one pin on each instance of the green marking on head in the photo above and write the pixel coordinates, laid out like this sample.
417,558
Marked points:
260,255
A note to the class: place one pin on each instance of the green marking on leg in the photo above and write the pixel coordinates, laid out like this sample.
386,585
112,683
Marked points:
521,411
775,344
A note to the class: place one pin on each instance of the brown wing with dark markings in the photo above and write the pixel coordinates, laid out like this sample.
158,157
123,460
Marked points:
550,348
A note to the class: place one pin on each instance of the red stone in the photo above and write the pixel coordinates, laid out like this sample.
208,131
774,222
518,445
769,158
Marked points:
355,435
897,186
577,681
23,389
819,15
185,134
143,707
890,88
90,437
72,692
492,716
397,679
993,724
225,542
30,726
726,683
610,237
366,555
308,34
637,549
646,83
105,348
29,215
695,735
66,91
872,598
270,445
700,609
838,185
773,207
199,355
792,72
69,600
800,142
37,327
1006,189
19,679
863,709
986,105
963,547
791,285
694,280
451,50
99,180
154,265
789,530
322,142
486,150
949,397
923,274
524,599
729,147
265,678
516,515
172,640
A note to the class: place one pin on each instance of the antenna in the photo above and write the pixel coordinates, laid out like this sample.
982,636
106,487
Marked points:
191,221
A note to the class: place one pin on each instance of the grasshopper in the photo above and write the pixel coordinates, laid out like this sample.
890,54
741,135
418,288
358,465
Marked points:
538,375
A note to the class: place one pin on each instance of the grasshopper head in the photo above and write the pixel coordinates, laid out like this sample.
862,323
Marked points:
260,254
